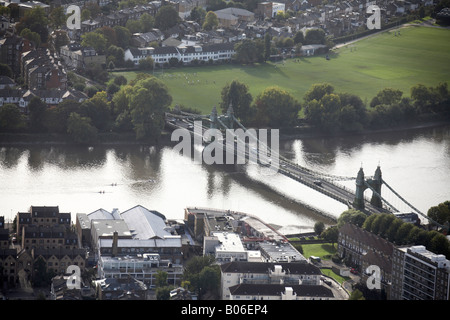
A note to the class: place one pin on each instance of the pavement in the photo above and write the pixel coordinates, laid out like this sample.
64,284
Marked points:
341,292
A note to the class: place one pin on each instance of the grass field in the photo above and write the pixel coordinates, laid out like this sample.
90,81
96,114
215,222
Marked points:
322,250
417,55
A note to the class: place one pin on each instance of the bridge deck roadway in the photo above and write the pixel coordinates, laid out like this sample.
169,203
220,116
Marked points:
299,174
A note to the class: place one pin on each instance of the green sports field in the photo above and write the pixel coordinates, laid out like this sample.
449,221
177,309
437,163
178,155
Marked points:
416,55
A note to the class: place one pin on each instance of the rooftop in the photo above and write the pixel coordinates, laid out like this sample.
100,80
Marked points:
278,289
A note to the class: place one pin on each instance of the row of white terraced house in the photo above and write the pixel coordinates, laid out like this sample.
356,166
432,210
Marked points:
215,52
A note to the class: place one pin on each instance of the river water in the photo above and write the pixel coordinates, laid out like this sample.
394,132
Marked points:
416,163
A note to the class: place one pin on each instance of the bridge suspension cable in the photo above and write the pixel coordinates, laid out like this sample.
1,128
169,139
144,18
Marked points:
379,195
312,172
411,206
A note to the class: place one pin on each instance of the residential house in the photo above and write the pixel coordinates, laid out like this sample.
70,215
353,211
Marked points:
59,290
120,17
77,57
45,228
59,259
42,216
142,40
11,49
4,235
186,54
121,289
185,7
23,264
29,5
354,243
311,49
75,95
8,265
14,96
266,273
47,77
6,82
230,17
246,291
4,24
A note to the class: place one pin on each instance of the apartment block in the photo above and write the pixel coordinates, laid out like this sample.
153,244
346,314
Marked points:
419,274
267,273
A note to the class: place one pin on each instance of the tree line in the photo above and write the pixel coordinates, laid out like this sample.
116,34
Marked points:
394,229
346,112
139,107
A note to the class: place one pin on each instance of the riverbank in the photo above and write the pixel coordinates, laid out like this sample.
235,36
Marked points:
307,132
117,139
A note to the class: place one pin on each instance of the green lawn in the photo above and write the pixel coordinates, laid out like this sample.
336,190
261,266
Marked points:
322,250
417,55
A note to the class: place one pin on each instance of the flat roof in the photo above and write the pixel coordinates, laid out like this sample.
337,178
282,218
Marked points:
106,228
281,252
229,242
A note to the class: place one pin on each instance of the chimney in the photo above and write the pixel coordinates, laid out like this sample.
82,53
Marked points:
115,243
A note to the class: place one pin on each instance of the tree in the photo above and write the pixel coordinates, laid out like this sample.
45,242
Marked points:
98,111
429,99
35,20
214,5
440,244
5,70
391,232
198,15
331,234
109,34
120,80
163,293
194,267
37,110
247,52
147,22
148,101
319,226
11,118
353,114
123,36
95,40
32,36
57,17
211,21
387,96
440,213
401,237
276,108
267,46
80,129
352,216
299,37
161,278
209,280
315,36
166,18
356,295
317,91
146,63
134,26
236,94
116,54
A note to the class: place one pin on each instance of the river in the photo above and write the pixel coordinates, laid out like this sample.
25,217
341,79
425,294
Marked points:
416,163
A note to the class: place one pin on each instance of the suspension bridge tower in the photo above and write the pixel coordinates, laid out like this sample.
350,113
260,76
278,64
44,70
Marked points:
362,184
